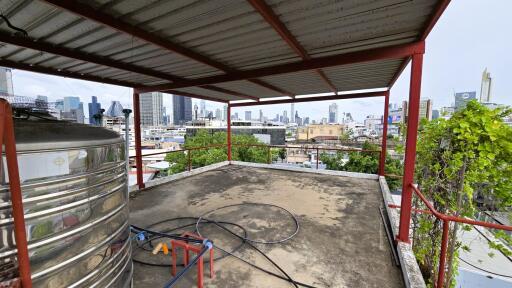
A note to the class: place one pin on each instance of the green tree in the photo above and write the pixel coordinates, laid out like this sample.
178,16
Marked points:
363,162
202,157
456,158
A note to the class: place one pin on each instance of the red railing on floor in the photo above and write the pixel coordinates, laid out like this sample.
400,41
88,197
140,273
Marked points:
446,225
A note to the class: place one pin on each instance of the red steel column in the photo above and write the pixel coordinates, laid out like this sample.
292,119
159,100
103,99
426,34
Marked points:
138,152
382,162
229,131
410,147
20,234
442,257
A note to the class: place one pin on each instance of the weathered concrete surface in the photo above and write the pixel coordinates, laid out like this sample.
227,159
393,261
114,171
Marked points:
341,242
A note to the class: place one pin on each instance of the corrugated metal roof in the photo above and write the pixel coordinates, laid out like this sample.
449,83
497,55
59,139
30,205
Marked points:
230,33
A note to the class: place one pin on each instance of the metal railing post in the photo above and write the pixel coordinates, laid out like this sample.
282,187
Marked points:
269,156
20,234
189,152
138,149
442,256
317,157
382,161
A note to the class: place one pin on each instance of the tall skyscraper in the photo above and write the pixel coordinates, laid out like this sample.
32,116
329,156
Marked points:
202,108
151,109
182,109
6,81
248,115
333,113
292,114
261,115
486,87
72,109
461,98
225,113
218,114
426,109
94,108
115,110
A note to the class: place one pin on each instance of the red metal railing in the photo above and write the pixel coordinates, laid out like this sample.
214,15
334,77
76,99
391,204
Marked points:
189,151
446,225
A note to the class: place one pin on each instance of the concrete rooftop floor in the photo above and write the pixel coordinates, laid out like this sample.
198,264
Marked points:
341,242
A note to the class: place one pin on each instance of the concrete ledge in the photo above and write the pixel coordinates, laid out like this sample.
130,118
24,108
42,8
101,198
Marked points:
307,170
174,177
410,269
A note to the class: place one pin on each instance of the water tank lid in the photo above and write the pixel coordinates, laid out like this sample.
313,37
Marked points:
51,135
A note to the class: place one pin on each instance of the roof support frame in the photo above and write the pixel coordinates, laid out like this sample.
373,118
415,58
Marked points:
390,52
110,21
313,99
273,20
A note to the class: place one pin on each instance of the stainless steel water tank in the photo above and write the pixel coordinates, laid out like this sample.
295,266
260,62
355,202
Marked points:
74,187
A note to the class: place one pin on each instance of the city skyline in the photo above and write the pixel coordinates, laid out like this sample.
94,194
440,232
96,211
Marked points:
446,69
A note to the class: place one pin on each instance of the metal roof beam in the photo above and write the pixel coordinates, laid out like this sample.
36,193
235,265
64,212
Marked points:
26,42
227,91
110,21
79,76
268,14
391,52
437,14
312,99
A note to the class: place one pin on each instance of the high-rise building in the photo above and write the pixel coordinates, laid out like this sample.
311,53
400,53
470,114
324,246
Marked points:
292,113
285,117
261,116
486,87
461,98
151,109
225,113
42,102
248,115
426,109
115,110
202,108
94,108
182,109
218,114
6,81
72,109
333,113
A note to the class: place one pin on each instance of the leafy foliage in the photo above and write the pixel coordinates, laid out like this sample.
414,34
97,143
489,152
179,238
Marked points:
203,157
470,154
364,162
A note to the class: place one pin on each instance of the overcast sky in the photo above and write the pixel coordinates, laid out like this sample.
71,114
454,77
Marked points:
470,36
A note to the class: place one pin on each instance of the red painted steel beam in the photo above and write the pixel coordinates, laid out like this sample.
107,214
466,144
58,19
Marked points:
138,145
410,147
382,161
124,27
45,70
311,99
391,52
26,42
268,14
441,6
20,235
193,95
399,72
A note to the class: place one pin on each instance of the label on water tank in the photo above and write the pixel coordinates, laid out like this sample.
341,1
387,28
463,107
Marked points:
41,165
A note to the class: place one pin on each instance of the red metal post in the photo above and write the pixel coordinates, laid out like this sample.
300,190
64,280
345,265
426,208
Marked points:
20,235
229,131
410,147
382,162
189,152
317,157
138,149
442,257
